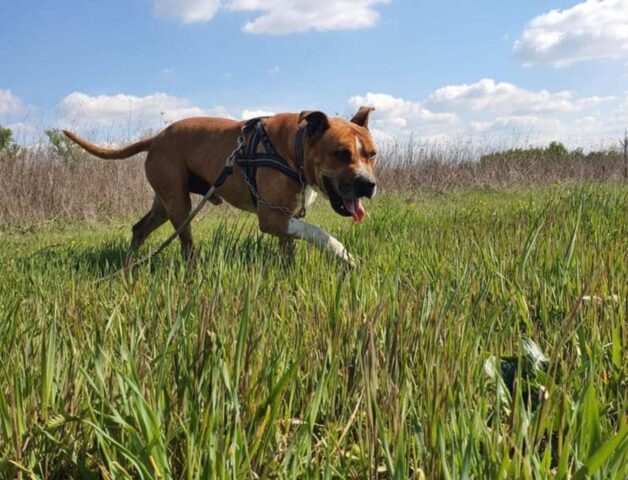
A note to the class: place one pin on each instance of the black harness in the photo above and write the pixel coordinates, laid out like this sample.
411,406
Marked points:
249,159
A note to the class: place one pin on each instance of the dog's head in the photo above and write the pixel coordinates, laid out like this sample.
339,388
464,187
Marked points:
340,159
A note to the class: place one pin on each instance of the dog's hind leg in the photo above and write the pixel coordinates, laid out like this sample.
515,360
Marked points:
154,219
170,183
179,205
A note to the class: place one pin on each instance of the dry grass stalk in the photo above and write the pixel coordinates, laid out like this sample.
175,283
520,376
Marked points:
38,184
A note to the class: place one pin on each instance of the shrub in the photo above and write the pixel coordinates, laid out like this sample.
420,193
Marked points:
62,147
8,147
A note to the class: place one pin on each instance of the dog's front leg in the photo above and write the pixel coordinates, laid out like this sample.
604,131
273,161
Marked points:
319,237
286,248
290,228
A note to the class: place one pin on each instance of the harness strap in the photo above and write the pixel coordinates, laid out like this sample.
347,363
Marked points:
228,170
252,160
270,162
263,136
249,169
299,153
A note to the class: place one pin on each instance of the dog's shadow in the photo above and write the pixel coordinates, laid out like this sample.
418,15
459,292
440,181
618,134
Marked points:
102,259
96,260
108,258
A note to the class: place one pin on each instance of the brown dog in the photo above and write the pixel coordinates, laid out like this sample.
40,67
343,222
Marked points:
338,157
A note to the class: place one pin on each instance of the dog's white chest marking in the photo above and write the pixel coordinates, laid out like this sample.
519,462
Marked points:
309,195
319,237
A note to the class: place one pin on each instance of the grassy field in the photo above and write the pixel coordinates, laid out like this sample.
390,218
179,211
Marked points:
420,363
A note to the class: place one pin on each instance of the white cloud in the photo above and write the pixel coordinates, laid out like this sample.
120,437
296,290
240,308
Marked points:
491,113
118,110
520,129
189,11
10,104
252,113
111,116
506,98
25,133
290,16
80,110
397,116
279,16
618,118
594,29
622,110
499,114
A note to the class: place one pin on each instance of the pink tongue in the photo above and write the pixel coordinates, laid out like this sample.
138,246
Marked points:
355,208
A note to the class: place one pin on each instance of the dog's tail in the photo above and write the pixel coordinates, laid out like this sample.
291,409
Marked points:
111,153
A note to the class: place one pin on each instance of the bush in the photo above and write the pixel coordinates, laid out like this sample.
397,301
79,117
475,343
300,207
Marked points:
557,150
62,147
8,147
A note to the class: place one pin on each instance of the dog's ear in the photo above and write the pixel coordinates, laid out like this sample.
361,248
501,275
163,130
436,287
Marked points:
316,122
362,116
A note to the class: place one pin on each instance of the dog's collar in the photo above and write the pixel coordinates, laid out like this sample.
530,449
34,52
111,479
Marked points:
299,154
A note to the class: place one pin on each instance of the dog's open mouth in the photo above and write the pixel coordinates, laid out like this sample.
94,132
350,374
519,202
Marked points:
347,207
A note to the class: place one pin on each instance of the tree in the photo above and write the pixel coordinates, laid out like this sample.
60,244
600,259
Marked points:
557,150
61,146
6,138
8,147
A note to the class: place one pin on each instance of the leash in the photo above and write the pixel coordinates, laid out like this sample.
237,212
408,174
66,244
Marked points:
270,159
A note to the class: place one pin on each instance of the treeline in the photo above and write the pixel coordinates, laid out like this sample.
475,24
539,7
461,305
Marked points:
554,152
451,167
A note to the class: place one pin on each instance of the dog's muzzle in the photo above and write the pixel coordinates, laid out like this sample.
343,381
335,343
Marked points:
344,197
365,186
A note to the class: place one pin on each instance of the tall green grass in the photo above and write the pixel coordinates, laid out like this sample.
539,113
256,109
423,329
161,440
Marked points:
244,367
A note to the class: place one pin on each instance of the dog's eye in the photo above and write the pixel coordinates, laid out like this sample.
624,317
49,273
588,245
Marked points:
372,155
343,155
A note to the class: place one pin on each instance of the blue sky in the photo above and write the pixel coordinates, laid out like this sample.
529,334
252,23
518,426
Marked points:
441,71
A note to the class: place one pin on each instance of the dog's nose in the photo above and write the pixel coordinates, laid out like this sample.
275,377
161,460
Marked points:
365,186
